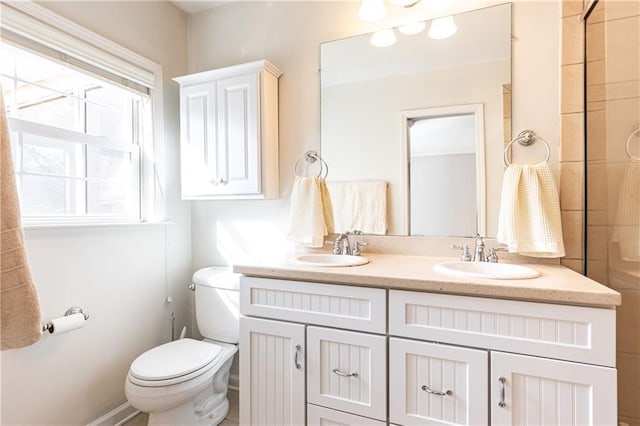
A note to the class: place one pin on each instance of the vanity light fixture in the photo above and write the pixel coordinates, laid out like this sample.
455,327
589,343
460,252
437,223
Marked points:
371,10
405,3
438,4
383,38
442,28
412,28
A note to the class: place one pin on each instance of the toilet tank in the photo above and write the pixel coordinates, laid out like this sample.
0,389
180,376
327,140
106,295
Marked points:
217,297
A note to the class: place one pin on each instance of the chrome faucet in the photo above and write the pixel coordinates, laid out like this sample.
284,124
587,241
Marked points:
478,252
342,245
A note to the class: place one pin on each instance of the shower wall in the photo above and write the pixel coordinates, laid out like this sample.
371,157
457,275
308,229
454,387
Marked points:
612,155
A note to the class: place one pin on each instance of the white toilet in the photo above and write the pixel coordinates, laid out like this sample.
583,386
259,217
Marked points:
185,382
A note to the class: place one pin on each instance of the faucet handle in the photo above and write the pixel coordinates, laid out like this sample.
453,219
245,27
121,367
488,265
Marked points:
465,256
356,247
493,256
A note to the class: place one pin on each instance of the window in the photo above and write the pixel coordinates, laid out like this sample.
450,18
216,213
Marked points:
82,135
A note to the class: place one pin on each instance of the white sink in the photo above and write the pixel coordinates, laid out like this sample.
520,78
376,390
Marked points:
332,260
500,271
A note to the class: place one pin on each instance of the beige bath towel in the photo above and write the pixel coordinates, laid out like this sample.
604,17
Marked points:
360,206
311,212
626,231
21,318
529,221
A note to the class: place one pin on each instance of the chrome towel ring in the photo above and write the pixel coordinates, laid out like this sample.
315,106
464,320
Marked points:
311,157
627,146
525,138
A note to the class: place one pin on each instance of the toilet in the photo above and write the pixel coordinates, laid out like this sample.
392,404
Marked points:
185,382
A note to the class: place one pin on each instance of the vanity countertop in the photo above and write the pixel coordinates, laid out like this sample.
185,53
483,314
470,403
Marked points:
556,284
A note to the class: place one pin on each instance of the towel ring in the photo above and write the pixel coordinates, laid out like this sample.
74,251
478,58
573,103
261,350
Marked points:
311,157
525,138
627,146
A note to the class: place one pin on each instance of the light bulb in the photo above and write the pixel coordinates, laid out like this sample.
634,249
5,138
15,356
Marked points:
383,38
442,28
412,28
371,10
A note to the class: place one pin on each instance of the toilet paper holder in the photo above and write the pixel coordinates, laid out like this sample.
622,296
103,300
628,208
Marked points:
48,326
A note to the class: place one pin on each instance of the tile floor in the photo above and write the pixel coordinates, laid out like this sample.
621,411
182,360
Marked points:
231,419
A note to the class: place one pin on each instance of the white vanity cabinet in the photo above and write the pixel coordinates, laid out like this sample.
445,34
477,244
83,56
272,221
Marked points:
526,385
325,354
229,132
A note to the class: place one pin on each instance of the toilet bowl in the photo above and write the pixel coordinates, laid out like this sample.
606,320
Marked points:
185,382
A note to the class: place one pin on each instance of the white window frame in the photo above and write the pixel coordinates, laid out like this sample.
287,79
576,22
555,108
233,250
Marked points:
98,54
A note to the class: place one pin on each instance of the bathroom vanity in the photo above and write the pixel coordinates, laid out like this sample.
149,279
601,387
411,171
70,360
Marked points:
393,342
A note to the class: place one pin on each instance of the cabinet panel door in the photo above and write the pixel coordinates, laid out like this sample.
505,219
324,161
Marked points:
540,391
238,144
320,416
197,139
435,384
347,371
272,372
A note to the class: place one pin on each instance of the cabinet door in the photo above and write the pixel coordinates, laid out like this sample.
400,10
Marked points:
197,139
272,372
238,139
435,384
539,391
347,371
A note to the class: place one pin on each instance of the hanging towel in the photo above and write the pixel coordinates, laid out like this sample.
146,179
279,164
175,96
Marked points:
311,212
20,315
360,205
626,231
529,220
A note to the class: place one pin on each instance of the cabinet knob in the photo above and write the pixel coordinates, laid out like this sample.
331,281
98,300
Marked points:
218,181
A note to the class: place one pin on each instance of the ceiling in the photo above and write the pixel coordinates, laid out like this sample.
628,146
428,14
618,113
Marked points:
197,6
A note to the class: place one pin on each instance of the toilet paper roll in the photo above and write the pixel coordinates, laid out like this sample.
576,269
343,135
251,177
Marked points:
66,323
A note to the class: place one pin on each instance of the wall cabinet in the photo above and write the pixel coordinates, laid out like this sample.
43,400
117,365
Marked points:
229,132
449,360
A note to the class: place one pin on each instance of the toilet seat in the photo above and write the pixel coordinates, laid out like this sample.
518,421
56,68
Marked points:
174,362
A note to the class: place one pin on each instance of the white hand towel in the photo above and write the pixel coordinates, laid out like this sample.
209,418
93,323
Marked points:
360,205
311,214
529,222
626,231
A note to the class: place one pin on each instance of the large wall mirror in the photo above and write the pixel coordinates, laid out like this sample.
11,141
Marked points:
427,116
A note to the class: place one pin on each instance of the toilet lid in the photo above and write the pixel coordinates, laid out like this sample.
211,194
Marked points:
174,359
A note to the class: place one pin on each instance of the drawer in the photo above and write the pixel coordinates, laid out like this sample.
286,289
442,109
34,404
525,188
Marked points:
347,371
320,416
437,384
340,306
572,333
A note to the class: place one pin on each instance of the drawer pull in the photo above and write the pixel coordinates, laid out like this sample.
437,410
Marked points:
296,360
343,374
432,392
501,380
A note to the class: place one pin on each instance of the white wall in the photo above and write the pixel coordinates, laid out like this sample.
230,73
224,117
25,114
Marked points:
121,276
289,34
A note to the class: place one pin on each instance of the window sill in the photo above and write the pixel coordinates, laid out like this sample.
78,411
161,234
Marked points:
63,225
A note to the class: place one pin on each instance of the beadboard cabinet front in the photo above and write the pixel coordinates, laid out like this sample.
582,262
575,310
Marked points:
229,132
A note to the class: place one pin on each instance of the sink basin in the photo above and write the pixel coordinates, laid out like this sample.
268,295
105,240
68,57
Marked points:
500,271
332,260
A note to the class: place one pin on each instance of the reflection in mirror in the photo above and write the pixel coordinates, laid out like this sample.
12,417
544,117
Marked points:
367,92
446,145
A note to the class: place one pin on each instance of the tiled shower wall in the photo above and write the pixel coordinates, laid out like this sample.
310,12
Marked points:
612,90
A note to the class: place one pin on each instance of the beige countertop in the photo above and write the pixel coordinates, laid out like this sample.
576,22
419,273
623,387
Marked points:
556,284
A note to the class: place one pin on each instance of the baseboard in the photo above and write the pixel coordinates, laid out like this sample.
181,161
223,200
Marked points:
117,416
